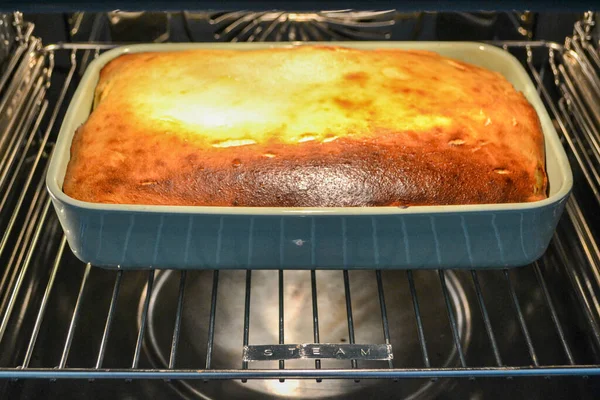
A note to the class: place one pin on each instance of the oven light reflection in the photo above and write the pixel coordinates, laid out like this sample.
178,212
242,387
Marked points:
289,388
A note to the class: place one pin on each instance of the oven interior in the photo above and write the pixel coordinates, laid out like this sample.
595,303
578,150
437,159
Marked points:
69,330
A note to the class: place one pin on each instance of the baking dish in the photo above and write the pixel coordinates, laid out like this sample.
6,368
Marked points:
473,236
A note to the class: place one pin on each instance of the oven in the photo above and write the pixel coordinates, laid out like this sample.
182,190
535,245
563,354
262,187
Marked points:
73,330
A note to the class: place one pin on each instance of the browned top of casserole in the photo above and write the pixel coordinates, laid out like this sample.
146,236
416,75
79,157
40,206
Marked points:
305,126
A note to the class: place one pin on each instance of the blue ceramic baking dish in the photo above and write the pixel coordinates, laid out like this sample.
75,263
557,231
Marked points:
473,236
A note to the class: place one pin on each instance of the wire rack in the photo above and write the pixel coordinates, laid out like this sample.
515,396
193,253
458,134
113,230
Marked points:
35,257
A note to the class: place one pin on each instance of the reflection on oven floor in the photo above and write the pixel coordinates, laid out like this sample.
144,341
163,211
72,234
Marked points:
298,328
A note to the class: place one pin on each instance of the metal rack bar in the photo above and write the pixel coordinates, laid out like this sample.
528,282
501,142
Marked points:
579,278
17,287
281,290
20,201
178,316
144,321
247,313
248,289
452,318
211,322
109,319
522,323
128,374
349,313
315,311
579,290
16,56
99,20
588,244
42,146
585,64
486,318
281,315
19,102
552,309
42,311
384,318
581,114
583,92
96,46
420,330
74,318
21,70
30,111
563,130
583,74
12,271
585,297
580,153
24,152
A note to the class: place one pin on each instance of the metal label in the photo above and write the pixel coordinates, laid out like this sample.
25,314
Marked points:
343,351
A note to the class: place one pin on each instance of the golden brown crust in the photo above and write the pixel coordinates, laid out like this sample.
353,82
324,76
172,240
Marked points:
308,126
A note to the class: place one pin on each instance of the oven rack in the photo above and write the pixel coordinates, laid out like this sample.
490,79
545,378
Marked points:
35,252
